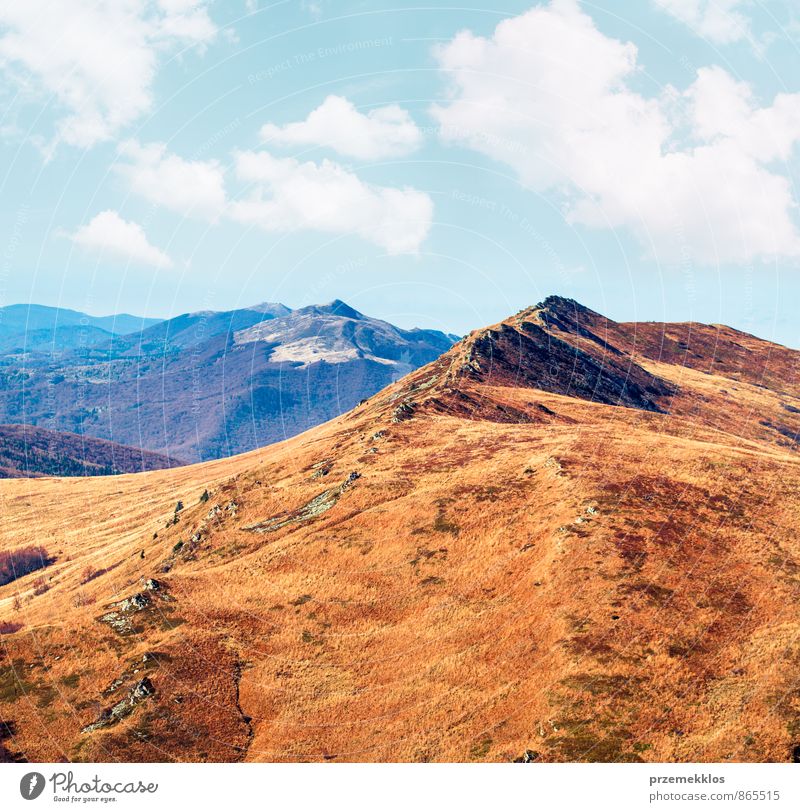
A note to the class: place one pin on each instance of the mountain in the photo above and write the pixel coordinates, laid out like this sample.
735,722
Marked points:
38,328
193,329
28,451
206,385
566,539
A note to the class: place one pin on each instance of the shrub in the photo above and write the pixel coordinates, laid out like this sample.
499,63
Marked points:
8,627
89,574
40,585
16,563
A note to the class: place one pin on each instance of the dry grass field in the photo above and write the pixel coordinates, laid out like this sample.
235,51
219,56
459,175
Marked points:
566,540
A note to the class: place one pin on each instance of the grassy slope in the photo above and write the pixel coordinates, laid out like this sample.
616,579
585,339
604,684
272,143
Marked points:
597,583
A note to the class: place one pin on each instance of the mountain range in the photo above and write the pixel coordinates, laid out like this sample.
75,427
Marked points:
42,329
564,539
203,385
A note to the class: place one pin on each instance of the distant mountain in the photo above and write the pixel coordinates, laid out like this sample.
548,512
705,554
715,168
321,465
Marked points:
40,329
193,329
29,451
207,385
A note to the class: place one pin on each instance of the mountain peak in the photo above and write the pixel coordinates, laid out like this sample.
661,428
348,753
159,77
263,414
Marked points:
561,310
557,346
559,303
275,309
335,308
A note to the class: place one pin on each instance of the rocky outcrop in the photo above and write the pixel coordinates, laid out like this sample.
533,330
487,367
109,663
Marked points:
311,510
141,691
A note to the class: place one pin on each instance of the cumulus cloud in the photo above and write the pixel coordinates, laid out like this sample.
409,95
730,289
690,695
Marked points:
185,21
719,21
288,195
110,236
95,61
383,132
190,188
693,174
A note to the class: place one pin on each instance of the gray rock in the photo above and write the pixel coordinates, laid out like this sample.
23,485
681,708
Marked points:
110,716
142,689
135,603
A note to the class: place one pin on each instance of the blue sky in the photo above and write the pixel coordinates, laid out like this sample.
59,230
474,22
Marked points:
436,167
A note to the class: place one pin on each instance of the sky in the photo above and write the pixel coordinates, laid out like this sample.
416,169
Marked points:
434,166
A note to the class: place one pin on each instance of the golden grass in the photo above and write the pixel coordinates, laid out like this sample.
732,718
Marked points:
604,584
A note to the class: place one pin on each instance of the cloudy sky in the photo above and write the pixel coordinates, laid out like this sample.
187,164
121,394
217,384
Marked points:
441,168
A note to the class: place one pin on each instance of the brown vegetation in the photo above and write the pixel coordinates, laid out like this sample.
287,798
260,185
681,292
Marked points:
31,451
523,570
18,563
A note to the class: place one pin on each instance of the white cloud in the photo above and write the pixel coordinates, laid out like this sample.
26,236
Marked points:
111,236
185,21
95,61
191,188
721,107
384,132
693,175
290,195
719,21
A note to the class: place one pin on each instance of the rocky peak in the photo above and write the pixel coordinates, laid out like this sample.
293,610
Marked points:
556,346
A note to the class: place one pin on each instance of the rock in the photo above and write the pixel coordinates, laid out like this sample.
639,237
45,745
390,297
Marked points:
351,478
110,716
151,585
142,689
528,757
311,510
405,411
117,622
135,603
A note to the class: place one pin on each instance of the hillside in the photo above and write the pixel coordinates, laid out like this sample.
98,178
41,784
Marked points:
207,385
567,539
30,451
